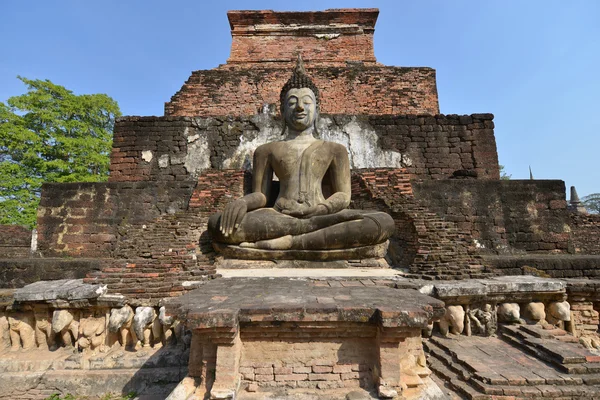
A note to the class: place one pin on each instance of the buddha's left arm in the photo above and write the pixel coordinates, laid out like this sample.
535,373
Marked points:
340,176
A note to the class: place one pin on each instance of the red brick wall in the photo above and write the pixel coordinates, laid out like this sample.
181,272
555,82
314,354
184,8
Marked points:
337,47
15,241
586,233
437,146
330,36
500,215
353,89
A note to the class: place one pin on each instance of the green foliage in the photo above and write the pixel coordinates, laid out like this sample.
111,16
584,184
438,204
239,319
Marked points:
592,203
50,134
503,174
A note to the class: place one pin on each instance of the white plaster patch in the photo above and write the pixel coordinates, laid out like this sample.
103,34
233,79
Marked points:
163,161
250,140
327,36
197,158
478,244
177,159
193,138
363,146
147,155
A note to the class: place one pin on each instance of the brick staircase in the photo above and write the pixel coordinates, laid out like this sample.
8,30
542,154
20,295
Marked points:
555,346
486,368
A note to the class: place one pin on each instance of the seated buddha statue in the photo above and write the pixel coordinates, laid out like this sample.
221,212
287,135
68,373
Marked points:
303,217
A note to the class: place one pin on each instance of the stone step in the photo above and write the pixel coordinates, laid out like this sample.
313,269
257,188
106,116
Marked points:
445,367
456,383
444,357
566,357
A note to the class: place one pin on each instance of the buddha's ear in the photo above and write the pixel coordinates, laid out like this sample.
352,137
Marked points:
316,124
283,127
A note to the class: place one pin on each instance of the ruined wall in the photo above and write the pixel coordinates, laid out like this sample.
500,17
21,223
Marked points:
16,273
353,89
337,48
15,241
586,233
522,214
330,36
168,148
547,265
85,219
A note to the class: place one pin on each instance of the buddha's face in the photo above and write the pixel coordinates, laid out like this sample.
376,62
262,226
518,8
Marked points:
300,109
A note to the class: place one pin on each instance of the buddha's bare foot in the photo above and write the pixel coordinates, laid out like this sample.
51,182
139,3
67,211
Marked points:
248,245
280,243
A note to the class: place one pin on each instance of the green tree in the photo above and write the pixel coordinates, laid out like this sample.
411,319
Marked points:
592,203
503,174
50,134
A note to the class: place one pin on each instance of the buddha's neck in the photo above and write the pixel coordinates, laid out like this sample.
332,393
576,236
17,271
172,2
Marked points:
301,136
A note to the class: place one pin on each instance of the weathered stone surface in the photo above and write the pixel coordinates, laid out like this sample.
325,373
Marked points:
453,321
558,311
534,311
18,272
64,289
509,312
224,302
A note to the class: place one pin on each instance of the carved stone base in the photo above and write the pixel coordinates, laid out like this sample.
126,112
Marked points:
233,263
357,253
257,335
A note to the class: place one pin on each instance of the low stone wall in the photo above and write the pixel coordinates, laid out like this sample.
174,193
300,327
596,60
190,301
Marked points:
15,241
500,215
586,233
16,273
550,266
430,147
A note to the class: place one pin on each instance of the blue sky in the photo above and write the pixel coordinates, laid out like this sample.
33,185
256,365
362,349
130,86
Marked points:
533,64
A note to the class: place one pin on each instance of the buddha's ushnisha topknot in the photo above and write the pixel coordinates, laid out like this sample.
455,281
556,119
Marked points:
298,80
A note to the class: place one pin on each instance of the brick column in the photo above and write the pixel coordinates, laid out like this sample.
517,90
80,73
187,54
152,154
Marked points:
227,375
388,364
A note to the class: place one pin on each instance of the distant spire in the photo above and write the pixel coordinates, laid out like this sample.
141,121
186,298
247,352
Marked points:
574,196
530,173
575,204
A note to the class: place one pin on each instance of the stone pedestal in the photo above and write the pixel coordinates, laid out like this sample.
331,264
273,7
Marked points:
264,334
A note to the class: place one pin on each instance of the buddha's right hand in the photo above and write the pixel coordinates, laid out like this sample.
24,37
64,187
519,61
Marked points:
232,216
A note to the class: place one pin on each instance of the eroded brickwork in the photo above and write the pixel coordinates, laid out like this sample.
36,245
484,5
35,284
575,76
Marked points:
303,357
500,215
168,148
15,241
87,219
586,231
355,89
340,35
337,47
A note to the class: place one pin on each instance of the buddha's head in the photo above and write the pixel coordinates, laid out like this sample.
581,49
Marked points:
299,100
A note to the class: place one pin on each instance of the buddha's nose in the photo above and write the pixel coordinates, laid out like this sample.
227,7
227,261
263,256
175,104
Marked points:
299,106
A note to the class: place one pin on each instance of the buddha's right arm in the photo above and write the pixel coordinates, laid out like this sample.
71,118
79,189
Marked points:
255,200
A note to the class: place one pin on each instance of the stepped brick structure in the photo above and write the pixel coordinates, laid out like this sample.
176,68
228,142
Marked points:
129,264
337,47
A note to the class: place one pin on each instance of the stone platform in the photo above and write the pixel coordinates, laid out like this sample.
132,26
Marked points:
265,334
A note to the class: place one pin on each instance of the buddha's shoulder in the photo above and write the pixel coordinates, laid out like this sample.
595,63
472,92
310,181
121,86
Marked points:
335,147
